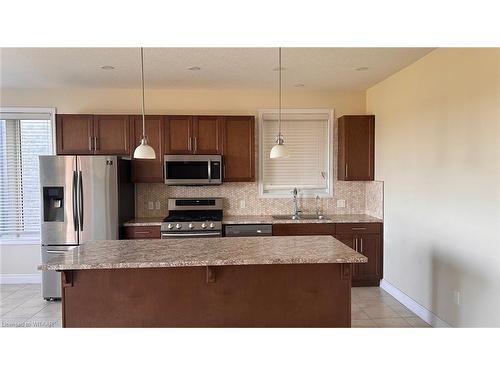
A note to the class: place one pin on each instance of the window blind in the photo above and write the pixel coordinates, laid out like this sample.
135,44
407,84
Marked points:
21,142
306,138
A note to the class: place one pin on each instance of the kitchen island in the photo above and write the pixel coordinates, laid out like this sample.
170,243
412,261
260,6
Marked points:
218,282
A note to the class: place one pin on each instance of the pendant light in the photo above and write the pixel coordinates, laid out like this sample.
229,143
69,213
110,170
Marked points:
279,150
143,151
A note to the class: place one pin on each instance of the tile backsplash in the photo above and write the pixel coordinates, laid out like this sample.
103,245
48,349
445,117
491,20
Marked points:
359,198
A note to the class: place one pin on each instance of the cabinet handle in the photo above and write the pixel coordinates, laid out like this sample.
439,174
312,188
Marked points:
345,170
355,241
142,232
361,240
358,228
189,144
195,144
90,143
95,144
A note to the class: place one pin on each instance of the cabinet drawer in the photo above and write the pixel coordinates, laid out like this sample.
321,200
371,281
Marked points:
303,229
139,232
358,228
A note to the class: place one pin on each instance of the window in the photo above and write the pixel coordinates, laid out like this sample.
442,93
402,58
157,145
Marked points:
309,139
24,134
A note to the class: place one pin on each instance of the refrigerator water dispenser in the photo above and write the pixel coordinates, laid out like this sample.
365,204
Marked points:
53,203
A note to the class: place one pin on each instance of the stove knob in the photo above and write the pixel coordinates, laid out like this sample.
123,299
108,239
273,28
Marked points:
212,225
203,225
191,226
170,226
178,226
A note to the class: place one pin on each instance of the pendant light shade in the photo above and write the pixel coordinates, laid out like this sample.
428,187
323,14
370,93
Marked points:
143,151
279,150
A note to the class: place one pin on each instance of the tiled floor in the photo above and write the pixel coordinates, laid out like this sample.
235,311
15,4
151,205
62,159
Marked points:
22,306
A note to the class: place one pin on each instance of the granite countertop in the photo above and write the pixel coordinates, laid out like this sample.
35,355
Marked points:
268,219
205,252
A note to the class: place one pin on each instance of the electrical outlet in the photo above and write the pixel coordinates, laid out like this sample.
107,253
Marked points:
456,297
340,203
243,203
157,205
150,205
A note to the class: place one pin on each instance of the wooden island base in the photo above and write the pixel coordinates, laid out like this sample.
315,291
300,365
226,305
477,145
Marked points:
281,295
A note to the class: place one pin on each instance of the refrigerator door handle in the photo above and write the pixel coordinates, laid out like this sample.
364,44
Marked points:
74,197
80,200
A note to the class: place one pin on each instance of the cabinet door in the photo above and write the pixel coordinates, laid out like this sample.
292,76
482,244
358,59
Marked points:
207,135
178,135
112,135
349,240
238,148
144,170
356,148
74,134
370,246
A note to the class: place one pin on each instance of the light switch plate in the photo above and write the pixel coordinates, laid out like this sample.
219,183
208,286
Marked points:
150,205
340,203
243,204
157,205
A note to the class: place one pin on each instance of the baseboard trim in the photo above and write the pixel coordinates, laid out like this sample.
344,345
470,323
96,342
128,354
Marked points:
428,316
20,278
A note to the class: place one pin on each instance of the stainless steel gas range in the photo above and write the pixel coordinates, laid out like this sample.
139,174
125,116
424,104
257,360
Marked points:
193,217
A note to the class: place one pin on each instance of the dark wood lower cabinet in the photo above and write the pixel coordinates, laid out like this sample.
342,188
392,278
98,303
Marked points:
271,295
141,231
366,238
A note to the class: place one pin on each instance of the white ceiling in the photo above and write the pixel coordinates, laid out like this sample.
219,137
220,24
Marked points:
221,68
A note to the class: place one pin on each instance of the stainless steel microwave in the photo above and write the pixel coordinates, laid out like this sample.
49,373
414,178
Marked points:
193,169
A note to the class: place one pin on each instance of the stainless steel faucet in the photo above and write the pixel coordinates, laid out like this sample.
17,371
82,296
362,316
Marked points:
296,210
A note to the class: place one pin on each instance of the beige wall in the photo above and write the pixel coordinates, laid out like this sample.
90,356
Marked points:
73,100
438,153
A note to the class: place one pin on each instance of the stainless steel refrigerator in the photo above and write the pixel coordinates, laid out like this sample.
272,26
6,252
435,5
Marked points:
82,198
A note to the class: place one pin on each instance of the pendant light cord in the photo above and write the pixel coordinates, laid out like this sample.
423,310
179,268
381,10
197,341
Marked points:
280,136
142,86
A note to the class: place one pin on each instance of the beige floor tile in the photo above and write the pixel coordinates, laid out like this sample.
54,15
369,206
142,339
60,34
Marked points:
359,315
392,323
380,312
417,322
363,323
18,312
403,311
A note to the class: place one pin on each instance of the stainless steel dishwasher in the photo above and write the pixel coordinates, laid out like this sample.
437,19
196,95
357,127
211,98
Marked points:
248,230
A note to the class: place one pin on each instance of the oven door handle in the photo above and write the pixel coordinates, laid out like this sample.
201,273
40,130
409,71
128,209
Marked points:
211,234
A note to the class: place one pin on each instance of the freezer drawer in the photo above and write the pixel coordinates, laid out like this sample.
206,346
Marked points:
248,230
51,280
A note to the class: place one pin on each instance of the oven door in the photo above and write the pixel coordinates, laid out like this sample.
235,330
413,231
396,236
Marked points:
191,234
193,169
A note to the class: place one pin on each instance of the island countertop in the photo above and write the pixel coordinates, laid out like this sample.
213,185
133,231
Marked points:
223,251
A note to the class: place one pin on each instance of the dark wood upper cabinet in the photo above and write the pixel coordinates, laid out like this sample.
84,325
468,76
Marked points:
207,135
148,170
74,134
238,148
178,135
112,135
356,147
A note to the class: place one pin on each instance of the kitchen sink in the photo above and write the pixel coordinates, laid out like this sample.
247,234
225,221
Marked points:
301,217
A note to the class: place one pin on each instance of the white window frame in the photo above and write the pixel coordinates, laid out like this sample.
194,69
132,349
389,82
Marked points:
31,240
309,193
